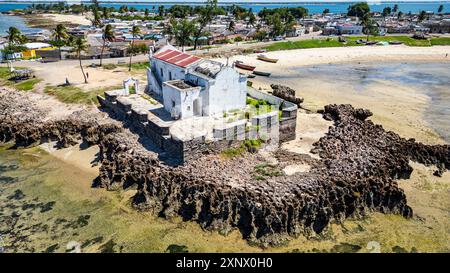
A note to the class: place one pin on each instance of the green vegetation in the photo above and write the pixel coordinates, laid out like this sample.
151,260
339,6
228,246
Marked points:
265,171
249,145
440,41
137,66
109,66
351,41
315,43
404,39
25,85
73,94
256,103
233,152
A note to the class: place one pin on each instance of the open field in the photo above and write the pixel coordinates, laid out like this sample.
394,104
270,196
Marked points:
351,41
26,85
73,94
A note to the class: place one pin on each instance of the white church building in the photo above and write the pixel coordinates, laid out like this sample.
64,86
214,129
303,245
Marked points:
192,86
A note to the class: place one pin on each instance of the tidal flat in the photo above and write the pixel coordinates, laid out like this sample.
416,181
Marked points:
49,205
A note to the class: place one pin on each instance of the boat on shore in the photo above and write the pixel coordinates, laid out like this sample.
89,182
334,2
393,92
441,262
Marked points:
264,58
241,65
371,43
261,73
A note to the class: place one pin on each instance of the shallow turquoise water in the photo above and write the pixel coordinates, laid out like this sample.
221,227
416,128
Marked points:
433,79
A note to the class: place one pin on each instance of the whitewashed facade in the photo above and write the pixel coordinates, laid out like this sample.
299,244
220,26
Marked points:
191,86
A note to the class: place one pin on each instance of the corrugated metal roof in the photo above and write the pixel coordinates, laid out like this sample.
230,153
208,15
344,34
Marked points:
176,57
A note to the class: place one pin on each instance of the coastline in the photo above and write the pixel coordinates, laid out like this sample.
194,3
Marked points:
50,20
397,107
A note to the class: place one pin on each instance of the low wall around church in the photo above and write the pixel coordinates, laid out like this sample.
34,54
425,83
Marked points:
272,128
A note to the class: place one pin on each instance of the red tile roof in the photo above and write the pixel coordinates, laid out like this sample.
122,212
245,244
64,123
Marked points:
176,57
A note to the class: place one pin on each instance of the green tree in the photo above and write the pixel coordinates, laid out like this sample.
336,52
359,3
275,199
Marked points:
146,12
14,36
369,26
441,8
105,13
326,11
108,35
260,35
59,37
183,31
205,17
231,26
96,22
422,16
358,9
386,11
135,30
395,9
79,46
161,11
251,19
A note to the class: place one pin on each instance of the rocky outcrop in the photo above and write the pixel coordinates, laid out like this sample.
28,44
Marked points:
356,174
286,93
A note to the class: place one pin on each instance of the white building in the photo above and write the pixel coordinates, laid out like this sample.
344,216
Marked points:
192,86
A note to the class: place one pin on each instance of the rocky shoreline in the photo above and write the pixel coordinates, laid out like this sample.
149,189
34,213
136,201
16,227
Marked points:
355,175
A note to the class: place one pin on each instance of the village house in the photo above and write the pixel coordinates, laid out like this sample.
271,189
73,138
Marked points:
192,86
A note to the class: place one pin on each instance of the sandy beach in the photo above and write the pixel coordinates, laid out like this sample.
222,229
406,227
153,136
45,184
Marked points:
314,56
50,20
67,18
397,107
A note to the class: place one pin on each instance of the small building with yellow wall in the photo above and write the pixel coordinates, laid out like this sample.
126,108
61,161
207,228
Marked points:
32,47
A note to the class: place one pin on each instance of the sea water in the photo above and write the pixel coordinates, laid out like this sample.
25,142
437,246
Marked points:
431,79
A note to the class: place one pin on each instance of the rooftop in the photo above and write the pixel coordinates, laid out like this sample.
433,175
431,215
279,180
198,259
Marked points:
209,68
176,57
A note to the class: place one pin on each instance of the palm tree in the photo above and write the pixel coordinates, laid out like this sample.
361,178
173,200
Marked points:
59,36
79,46
108,35
96,20
14,37
134,31
251,19
105,13
369,26
231,26
183,31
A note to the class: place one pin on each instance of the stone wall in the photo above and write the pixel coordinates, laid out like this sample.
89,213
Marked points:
268,126
288,119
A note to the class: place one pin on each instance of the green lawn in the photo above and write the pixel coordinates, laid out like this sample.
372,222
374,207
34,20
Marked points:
405,39
25,85
73,94
440,41
351,41
314,43
137,66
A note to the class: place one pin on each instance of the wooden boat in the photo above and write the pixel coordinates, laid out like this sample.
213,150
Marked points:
266,59
241,65
250,76
371,42
260,73
395,42
260,51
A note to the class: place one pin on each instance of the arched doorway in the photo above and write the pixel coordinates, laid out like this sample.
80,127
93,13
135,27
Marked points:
197,107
